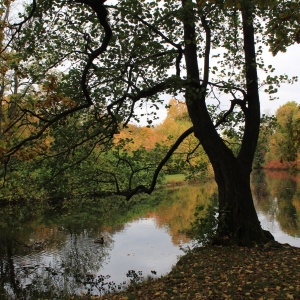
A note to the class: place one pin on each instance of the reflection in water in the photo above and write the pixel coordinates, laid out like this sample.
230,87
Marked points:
277,197
39,260
82,266
178,212
141,246
47,254
50,271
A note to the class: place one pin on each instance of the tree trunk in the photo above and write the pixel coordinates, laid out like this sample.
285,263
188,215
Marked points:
238,221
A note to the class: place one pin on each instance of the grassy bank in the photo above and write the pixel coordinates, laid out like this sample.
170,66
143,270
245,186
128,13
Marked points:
266,272
175,178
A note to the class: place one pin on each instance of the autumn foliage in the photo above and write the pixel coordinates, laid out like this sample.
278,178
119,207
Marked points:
284,141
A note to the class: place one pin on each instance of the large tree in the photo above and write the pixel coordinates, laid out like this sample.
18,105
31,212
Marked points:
84,66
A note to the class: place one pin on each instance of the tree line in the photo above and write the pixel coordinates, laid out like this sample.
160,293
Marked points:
135,146
278,144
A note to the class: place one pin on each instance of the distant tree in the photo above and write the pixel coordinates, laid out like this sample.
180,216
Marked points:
96,62
189,158
286,140
267,129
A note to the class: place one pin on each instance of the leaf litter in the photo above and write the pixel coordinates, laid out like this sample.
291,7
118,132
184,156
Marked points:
270,271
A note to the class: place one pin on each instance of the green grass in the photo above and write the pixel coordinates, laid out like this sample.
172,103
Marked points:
175,178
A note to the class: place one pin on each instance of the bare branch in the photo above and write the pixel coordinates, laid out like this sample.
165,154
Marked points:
192,152
234,102
142,188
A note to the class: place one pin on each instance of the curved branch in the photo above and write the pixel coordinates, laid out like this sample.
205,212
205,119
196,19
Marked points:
164,37
159,87
224,85
178,46
192,152
33,137
133,170
19,25
142,188
101,12
28,17
234,102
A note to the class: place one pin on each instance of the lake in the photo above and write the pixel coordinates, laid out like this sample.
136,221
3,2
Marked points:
95,246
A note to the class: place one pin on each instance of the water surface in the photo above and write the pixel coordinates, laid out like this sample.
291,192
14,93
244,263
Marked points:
50,251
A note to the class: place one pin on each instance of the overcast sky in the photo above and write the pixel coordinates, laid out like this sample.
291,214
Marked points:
285,63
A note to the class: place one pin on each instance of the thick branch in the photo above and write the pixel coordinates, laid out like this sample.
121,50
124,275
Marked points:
252,119
101,13
191,57
206,27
